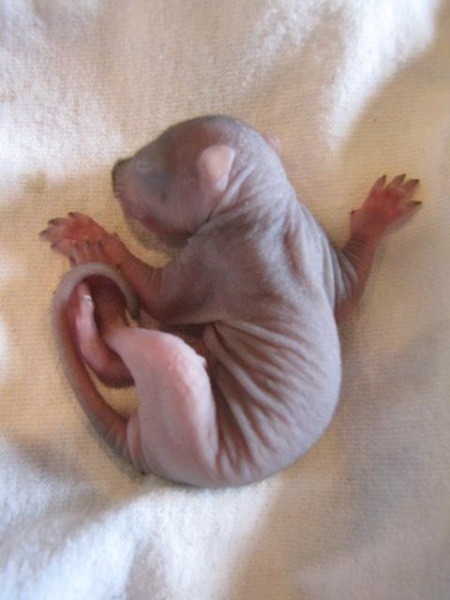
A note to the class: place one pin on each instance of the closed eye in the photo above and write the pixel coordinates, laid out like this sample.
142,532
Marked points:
154,180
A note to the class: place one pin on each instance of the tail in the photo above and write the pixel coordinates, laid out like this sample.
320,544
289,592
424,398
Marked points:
108,423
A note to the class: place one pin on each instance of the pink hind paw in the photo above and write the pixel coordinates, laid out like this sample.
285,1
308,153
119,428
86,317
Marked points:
386,207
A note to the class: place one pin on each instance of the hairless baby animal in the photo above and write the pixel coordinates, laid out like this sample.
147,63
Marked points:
257,273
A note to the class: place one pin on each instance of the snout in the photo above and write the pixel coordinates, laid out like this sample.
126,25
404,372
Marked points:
115,173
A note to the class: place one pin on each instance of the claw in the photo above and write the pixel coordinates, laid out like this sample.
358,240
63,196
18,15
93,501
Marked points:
410,207
378,185
411,185
398,180
77,215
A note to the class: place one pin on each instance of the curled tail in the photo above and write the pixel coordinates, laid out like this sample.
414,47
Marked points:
108,423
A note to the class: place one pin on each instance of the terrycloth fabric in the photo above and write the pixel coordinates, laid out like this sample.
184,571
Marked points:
354,90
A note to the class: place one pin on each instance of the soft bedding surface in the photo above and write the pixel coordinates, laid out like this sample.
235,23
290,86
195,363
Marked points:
353,90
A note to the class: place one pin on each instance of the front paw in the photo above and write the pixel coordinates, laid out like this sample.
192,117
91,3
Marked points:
62,233
82,239
387,207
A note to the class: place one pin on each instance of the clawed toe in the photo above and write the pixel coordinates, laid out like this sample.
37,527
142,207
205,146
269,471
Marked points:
411,185
399,186
397,181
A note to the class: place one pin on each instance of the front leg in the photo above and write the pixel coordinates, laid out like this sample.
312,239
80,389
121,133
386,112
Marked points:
77,235
173,294
386,207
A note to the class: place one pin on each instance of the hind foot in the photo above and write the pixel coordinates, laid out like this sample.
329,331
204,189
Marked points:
97,310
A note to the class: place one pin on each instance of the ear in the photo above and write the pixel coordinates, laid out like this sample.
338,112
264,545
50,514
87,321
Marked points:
273,141
214,168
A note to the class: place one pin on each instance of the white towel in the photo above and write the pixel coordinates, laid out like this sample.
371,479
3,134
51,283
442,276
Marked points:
354,90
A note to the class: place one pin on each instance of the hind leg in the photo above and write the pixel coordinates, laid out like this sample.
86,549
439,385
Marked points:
174,430
387,207
96,306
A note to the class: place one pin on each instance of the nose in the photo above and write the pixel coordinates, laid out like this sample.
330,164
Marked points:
116,169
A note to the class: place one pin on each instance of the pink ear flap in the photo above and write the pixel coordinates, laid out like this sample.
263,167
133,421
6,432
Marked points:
214,167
